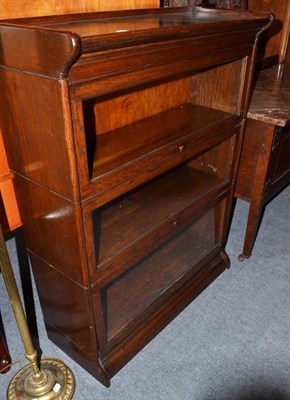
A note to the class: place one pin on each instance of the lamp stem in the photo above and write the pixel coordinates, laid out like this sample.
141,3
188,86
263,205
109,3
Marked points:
52,379
17,307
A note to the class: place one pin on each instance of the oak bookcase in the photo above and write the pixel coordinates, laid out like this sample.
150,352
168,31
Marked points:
123,131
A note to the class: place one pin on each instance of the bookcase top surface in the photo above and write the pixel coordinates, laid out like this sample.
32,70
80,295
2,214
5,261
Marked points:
120,22
34,44
108,25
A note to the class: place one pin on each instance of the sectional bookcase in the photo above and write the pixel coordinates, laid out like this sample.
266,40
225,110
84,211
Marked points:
123,131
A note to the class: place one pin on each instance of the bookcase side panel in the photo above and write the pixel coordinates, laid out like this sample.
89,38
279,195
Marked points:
68,317
36,128
53,229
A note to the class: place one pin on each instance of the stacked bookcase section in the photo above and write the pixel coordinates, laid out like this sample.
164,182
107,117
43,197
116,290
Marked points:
124,131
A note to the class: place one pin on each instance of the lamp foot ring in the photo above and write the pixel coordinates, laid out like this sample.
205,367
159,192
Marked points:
58,385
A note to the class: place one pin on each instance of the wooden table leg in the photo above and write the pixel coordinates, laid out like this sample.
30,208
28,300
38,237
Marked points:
254,220
252,183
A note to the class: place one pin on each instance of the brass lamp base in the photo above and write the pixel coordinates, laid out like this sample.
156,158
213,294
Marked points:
56,381
50,380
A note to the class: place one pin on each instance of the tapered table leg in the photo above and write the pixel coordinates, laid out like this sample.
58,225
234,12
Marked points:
254,220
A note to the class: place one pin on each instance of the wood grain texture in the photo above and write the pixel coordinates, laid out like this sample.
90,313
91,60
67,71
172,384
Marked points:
125,109
34,116
9,214
10,207
284,53
275,40
4,168
271,98
38,51
113,113
31,8
254,144
68,317
42,219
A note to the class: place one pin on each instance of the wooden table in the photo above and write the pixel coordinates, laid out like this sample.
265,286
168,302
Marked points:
265,163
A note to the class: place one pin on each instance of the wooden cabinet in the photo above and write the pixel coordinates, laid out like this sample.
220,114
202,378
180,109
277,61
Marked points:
124,137
265,161
274,45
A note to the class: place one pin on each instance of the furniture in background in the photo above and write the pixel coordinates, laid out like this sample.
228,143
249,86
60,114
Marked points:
9,214
179,3
55,7
227,4
274,46
9,220
126,196
5,358
231,4
265,161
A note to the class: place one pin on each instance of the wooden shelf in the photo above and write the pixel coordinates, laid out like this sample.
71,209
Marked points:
148,280
120,146
128,219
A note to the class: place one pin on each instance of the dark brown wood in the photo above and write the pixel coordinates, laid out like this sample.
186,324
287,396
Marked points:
120,146
9,214
120,355
24,47
52,213
125,151
265,162
5,359
27,131
275,41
